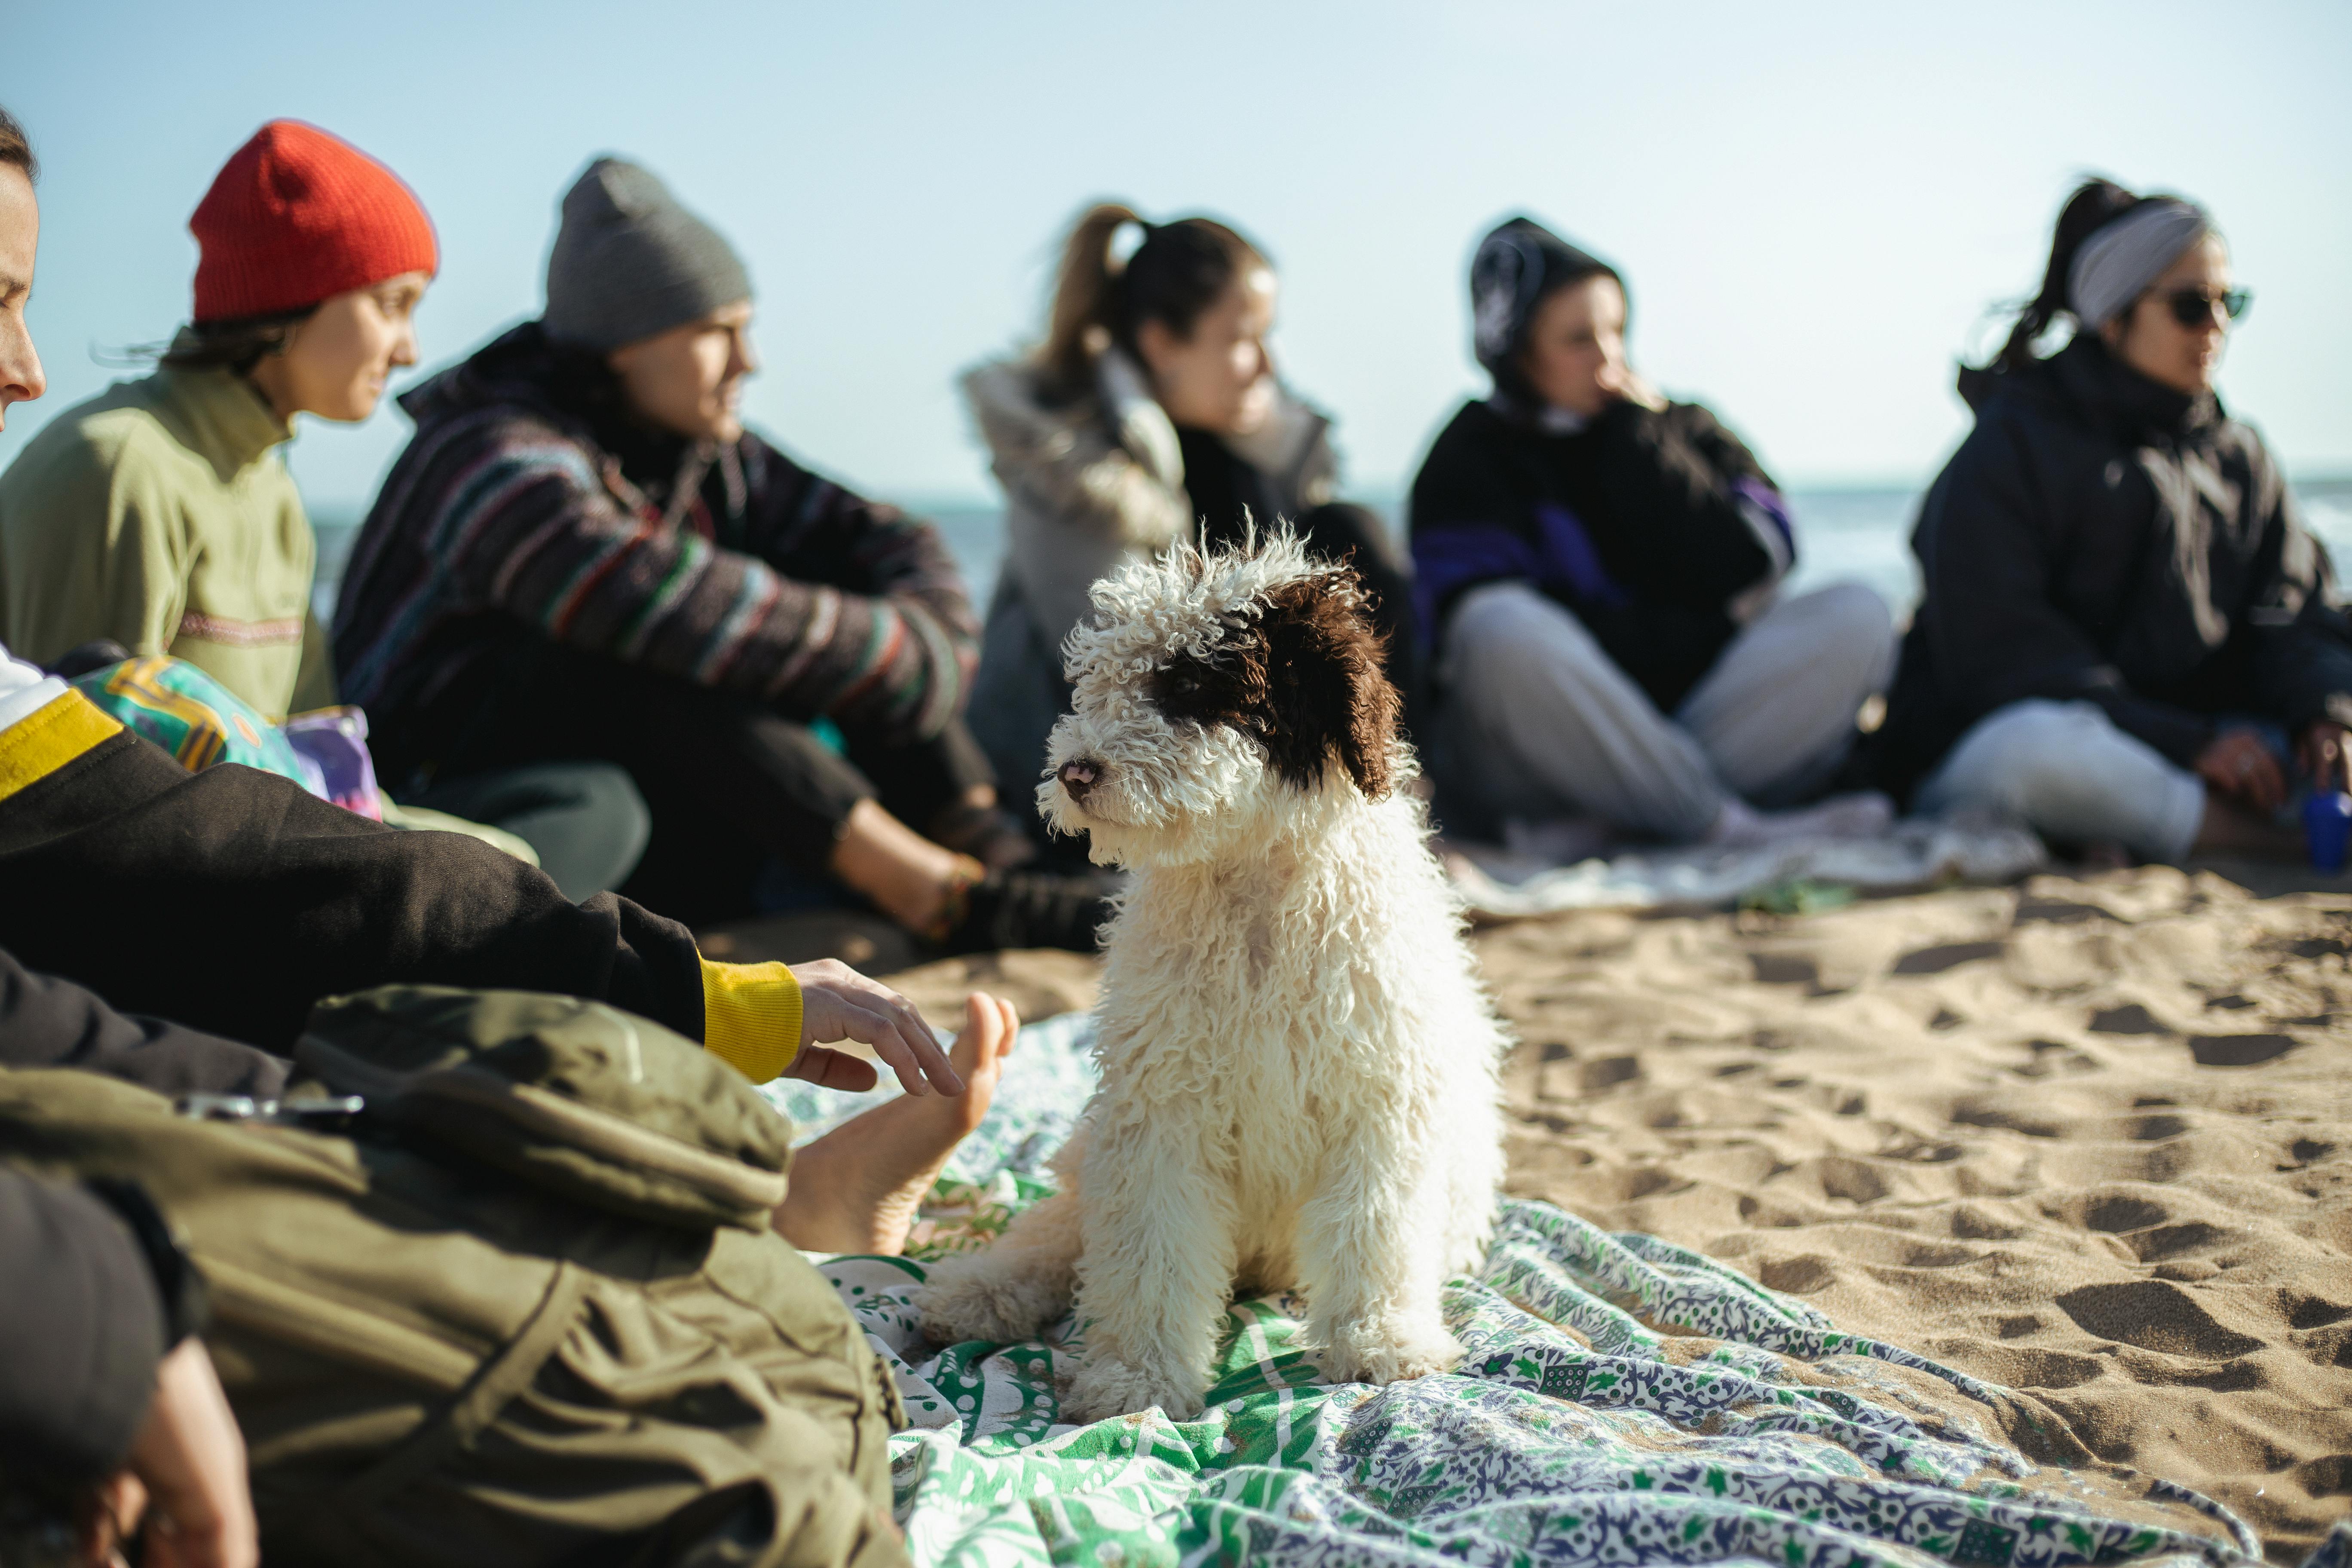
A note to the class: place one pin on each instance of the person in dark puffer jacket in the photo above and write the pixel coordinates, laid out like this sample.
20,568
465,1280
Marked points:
2127,636
583,553
1598,570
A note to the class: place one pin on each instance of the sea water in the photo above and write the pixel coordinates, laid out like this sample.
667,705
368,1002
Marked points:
1842,534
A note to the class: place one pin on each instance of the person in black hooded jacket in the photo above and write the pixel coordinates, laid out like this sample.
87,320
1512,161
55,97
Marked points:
2127,636
1599,572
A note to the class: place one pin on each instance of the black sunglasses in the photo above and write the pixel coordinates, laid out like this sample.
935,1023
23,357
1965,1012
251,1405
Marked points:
2194,307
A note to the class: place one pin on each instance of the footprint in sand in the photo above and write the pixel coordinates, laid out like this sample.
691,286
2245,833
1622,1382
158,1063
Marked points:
2238,1050
2313,1312
2117,1213
2156,1315
2304,1151
1949,955
2161,1243
2036,1367
1605,1072
1796,1276
1849,1179
1786,969
2209,1050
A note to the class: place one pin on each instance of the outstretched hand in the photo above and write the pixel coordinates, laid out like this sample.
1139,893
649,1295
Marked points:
839,1004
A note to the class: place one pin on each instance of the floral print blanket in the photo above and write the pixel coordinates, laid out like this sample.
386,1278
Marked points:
1622,1400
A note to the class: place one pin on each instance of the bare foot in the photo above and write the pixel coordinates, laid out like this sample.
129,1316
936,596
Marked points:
857,1188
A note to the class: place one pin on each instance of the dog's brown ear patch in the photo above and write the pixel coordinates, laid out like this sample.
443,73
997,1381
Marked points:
1325,691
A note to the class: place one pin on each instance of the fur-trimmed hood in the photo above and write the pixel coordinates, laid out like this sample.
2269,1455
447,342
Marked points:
1093,484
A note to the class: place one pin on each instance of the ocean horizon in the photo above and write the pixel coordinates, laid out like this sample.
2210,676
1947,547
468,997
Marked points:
1859,533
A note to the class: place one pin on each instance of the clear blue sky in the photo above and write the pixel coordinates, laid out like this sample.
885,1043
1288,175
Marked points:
1815,204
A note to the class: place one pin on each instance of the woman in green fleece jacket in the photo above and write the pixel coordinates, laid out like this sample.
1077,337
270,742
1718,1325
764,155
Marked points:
160,516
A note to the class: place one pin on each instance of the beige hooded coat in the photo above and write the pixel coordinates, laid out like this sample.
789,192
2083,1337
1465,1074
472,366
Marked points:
1089,486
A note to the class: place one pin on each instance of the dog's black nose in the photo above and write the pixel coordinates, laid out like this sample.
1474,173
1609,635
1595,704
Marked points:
1078,777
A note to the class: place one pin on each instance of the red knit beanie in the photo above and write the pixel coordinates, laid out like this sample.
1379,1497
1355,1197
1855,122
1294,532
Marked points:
297,215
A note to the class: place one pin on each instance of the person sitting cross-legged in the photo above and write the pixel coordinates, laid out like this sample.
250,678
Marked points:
2128,638
1599,570
582,552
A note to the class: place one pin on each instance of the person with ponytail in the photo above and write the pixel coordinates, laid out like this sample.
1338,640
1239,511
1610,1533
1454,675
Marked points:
1151,414
2127,636
1599,569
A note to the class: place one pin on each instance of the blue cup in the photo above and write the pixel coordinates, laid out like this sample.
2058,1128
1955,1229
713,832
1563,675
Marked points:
2326,828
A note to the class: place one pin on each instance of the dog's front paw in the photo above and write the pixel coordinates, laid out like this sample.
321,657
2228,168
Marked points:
968,1298
1107,1387
1388,1351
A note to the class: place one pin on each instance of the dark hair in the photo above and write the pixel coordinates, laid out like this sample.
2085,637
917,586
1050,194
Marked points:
1174,275
236,346
17,148
2095,204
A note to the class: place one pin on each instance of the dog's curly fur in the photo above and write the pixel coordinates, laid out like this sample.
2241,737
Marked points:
1298,1065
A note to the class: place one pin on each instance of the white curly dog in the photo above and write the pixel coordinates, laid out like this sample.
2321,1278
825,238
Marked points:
1298,1064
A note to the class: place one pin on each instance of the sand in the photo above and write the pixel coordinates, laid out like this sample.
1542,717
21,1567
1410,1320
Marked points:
2090,1138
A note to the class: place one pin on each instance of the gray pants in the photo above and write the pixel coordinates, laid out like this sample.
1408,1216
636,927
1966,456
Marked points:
1545,725
2065,771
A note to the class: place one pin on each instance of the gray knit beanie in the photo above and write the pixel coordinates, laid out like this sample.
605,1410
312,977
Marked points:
630,262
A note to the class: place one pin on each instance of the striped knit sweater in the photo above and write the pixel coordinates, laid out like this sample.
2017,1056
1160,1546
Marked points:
528,507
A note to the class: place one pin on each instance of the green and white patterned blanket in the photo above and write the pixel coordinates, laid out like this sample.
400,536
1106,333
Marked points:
1622,1400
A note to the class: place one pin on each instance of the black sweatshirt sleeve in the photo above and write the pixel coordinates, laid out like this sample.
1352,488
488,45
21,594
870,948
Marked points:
1670,477
232,900
1994,631
48,1022
81,1330
1462,481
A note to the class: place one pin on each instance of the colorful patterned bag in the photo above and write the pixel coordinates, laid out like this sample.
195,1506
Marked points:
194,717
334,742
201,722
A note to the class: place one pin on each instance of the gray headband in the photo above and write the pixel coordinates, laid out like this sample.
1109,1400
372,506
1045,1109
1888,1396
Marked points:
2124,255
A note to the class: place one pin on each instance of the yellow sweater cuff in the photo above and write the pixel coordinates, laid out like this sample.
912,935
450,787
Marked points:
751,1017
55,734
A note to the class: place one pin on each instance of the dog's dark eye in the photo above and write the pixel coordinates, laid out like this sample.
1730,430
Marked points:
1192,688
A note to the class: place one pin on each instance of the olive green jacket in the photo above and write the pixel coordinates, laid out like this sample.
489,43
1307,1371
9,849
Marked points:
160,514
524,1308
